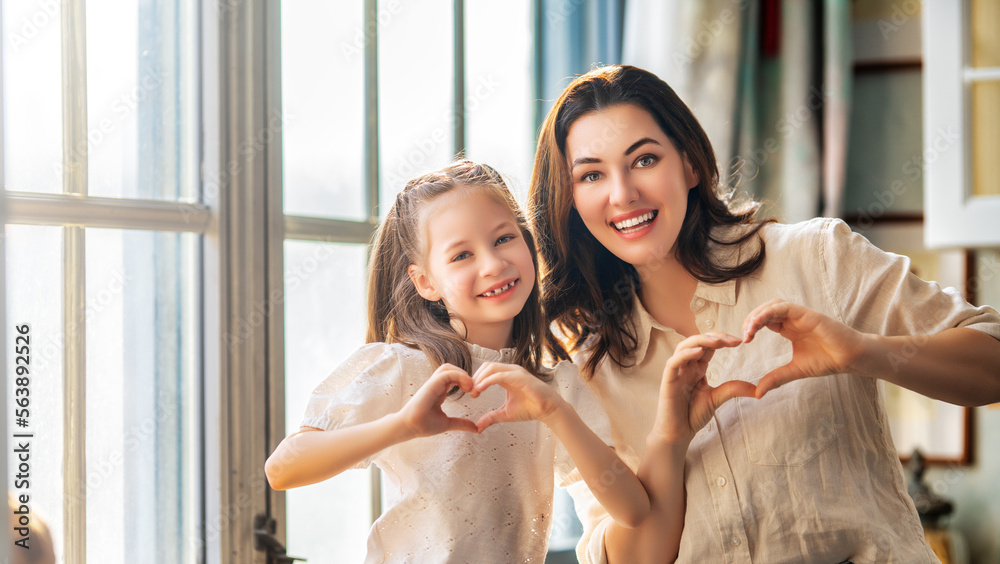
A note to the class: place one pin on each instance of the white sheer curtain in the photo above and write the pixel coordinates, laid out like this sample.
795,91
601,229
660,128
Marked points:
776,116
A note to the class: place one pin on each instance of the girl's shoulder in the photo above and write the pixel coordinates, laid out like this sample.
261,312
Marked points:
381,359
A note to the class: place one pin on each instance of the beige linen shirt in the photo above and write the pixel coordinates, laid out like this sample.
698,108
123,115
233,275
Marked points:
456,496
809,473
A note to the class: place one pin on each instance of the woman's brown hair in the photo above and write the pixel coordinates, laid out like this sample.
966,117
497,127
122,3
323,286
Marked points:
587,292
398,314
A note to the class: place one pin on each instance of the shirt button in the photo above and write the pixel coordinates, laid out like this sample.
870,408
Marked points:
709,324
721,481
700,303
736,541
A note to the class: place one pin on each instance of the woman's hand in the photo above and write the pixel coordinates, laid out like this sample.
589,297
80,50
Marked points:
820,344
423,415
528,398
687,401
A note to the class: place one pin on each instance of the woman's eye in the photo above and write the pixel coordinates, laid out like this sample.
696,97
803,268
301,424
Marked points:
461,256
645,160
503,239
590,177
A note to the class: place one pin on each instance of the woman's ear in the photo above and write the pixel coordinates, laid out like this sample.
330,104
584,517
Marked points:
690,176
423,283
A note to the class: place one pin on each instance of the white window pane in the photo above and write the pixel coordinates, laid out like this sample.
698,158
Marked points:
415,89
143,381
34,297
324,323
498,93
32,100
142,99
322,96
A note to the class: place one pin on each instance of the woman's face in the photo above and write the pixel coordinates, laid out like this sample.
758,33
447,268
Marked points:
630,183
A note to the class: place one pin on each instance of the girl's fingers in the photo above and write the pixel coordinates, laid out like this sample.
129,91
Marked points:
459,424
732,389
489,419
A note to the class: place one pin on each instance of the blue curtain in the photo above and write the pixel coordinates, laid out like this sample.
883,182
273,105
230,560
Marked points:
572,37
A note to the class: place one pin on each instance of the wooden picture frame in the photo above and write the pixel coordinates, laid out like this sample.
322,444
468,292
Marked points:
942,431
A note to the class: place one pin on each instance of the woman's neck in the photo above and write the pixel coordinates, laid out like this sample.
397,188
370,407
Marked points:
666,293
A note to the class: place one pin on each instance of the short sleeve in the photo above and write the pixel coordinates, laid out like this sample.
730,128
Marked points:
875,291
570,385
365,387
595,519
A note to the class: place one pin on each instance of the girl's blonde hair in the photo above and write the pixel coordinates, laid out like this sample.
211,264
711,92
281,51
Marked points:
398,314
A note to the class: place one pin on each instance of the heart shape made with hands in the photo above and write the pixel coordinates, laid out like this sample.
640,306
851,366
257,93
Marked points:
527,398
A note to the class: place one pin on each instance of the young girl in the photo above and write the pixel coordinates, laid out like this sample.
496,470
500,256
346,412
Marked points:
453,292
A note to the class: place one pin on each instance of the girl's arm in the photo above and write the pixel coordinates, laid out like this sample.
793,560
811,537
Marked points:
686,404
312,455
613,483
959,365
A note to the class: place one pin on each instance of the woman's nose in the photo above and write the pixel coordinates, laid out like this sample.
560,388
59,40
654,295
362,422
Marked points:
623,191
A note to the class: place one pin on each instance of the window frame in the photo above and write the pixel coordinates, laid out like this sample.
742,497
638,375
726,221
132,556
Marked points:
954,217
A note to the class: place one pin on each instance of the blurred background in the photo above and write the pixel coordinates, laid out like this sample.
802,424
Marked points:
191,188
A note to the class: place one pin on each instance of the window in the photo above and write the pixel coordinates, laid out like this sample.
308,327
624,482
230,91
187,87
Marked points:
190,192
103,264
961,97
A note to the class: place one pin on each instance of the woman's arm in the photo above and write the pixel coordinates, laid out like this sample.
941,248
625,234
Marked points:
312,455
686,404
959,365
611,480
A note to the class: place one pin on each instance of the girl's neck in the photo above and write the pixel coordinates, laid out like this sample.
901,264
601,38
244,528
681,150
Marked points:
666,293
494,336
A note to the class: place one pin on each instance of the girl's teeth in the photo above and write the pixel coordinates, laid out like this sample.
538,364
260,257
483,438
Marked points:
499,290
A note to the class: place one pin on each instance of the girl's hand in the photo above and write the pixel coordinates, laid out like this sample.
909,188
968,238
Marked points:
687,401
422,415
528,398
820,345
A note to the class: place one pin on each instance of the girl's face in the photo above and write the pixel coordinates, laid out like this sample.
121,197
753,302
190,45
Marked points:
630,184
477,261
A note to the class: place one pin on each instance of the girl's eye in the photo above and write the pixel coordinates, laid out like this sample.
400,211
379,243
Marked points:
461,256
505,238
645,161
590,177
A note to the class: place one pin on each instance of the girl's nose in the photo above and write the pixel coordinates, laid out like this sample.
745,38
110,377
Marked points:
492,264
623,191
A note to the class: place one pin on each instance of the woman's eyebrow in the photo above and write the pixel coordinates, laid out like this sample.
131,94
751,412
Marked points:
640,143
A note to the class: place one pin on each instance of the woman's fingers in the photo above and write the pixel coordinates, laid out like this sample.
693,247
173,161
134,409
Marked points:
777,377
732,389
769,314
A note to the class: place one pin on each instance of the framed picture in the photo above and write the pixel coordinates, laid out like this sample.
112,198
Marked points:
942,431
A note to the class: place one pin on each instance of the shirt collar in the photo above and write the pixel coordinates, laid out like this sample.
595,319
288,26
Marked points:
723,294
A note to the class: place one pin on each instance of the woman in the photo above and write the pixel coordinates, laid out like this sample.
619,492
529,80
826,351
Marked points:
650,271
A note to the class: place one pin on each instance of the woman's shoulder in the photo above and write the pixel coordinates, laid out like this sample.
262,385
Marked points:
797,233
